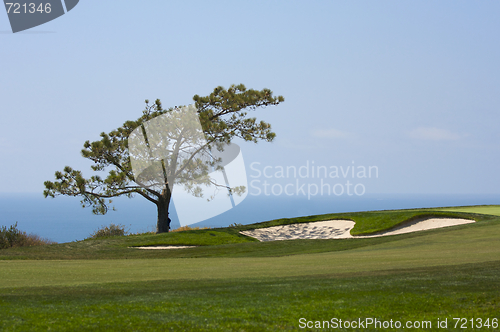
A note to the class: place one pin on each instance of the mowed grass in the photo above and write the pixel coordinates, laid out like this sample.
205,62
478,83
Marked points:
228,242
259,304
368,222
482,209
245,285
450,246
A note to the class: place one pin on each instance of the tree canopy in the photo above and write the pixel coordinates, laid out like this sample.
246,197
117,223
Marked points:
223,116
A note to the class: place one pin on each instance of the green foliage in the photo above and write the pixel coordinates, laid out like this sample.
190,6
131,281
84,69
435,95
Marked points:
107,231
223,115
12,237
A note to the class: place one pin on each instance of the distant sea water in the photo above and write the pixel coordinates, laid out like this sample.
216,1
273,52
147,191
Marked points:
63,219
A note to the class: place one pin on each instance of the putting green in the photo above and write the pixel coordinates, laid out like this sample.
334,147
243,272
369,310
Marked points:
466,244
483,209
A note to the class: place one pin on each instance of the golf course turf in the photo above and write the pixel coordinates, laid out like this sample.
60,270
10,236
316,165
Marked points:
231,282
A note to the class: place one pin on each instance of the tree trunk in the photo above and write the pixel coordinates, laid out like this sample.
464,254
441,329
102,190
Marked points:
163,223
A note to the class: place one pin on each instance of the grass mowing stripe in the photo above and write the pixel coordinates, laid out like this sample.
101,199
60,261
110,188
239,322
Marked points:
483,209
465,245
260,304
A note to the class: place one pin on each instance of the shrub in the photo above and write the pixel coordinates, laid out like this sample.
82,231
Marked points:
187,228
107,231
13,237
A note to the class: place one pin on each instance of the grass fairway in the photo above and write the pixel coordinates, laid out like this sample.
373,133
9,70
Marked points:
258,304
244,285
483,209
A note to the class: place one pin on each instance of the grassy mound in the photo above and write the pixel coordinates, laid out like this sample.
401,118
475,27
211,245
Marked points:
228,242
199,237
367,222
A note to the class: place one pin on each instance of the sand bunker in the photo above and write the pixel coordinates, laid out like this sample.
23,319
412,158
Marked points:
164,247
340,229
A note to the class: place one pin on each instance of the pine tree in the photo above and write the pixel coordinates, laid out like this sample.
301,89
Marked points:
223,116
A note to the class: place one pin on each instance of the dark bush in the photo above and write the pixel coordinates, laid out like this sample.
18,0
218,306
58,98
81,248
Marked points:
107,231
13,237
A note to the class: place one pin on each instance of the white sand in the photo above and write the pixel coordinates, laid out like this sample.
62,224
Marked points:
340,229
164,247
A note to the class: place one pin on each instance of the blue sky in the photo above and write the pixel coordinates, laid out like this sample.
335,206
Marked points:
410,87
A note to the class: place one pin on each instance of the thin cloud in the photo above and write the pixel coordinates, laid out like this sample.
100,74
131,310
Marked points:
433,134
330,133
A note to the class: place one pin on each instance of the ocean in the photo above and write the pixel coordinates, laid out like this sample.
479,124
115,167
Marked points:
62,219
